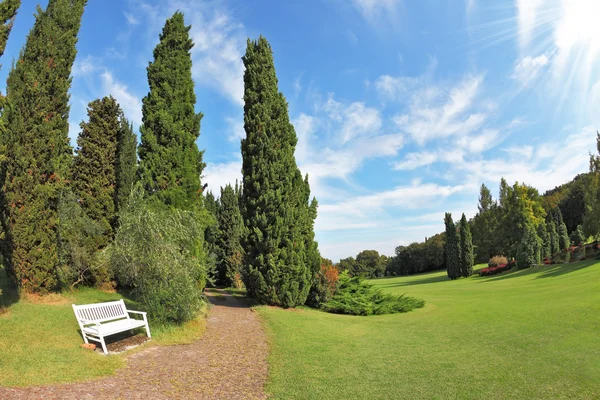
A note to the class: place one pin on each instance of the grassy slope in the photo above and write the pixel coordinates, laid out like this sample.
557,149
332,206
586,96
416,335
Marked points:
39,343
526,334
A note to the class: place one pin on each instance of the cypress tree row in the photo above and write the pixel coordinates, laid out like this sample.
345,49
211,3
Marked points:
170,162
281,256
39,155
563,236
452,248
466,248
126,165
94,169
229,235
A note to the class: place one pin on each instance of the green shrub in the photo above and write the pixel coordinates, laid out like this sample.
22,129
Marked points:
78,238
529,249
160,253
358,297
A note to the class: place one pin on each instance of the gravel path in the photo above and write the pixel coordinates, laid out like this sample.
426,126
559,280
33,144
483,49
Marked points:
228,362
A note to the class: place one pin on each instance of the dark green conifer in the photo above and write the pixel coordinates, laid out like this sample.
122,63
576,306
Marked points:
229,236
563,236
553,237
94,173
528,252
170,162
281,256
452,248
577,237
466,248
126,167
8,12
39,154
546,250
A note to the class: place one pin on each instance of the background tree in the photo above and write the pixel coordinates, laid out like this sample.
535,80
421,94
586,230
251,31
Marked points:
347,264
546,250
94,174
563,236
126,167
591,220
281,255
578,237
466,248
528,250
452,248
229,234
39,154
170,162
484,225
553,237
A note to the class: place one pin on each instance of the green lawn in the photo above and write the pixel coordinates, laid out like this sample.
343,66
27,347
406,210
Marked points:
39,343
527,334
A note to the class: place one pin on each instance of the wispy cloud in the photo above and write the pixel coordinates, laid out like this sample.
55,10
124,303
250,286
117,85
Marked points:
131,19
372,10
528,68
435,112
130,103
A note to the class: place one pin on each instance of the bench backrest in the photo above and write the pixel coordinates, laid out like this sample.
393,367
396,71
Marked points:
99,312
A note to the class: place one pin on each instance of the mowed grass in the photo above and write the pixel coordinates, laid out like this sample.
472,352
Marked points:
531,334
40,340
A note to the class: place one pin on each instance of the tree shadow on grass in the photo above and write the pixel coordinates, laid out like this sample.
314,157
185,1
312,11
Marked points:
546,271
422,281
10,294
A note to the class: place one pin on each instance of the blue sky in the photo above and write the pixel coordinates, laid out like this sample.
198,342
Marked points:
402,108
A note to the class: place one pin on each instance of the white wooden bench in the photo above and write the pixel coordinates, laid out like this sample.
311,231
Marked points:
99,320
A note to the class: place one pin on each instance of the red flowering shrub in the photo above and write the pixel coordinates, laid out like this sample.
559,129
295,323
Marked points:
496,269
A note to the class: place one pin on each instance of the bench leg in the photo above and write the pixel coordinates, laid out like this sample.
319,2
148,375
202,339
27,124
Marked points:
147,326
103,344
85,339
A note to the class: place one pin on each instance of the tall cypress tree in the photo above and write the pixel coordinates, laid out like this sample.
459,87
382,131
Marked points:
229,236
170,162
452,248
8,12
94,170
466,248
279,246
126,166
39,154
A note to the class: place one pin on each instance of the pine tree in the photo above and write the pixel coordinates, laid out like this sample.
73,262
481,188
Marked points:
563,236
126,167
546,250
211,232
591,219
229,235
528,253
170,162
281,256
452,248
466,248
94,173
39,154
553,237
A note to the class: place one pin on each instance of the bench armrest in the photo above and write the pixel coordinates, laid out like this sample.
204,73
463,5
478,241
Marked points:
137,312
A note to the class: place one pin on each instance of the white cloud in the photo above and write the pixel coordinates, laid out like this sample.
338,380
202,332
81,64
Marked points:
480,142
85,66
372,10
527,19
218,175
528,68
130,103
437,113
391,87
131,19
413,161
235,128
